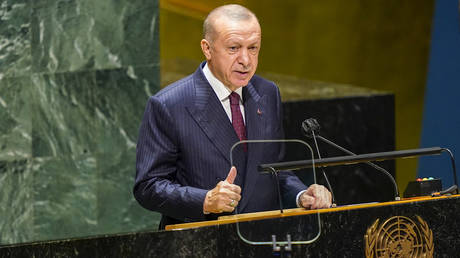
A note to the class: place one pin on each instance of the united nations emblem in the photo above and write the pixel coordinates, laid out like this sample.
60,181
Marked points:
399,236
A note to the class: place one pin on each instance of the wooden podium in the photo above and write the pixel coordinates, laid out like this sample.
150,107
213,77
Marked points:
419,227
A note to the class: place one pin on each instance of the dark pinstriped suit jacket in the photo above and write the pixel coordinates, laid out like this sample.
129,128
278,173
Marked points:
184,146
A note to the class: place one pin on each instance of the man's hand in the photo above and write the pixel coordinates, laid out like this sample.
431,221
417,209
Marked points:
224,197
316,197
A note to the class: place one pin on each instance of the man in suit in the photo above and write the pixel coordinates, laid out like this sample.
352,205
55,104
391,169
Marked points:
183,167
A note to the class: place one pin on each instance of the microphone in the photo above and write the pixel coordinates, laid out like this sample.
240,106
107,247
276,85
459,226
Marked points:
310,128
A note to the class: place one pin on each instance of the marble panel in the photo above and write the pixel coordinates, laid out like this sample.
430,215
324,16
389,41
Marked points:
117,209
63,117
15,118
120,96
61,36
94,114
16,201
65,200
125,33
120,103
15,45
76,35
74,79
88,112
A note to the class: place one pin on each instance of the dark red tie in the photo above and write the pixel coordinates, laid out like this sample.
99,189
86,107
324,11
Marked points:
237,118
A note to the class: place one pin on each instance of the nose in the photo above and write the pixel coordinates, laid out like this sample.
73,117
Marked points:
243,57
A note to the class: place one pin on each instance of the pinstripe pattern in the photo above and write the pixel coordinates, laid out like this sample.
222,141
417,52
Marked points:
184,143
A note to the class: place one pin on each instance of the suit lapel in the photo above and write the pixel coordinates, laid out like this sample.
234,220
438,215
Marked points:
211,117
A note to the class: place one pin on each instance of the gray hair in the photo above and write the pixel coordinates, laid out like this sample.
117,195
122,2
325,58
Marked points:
233,12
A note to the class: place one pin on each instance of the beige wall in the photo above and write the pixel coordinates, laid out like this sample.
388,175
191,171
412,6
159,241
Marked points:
380,44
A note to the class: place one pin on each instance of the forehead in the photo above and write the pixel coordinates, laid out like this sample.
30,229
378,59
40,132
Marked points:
237,29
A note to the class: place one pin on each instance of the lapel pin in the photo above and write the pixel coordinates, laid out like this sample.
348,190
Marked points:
259,112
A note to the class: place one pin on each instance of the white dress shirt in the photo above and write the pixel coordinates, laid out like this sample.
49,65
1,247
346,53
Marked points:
223,92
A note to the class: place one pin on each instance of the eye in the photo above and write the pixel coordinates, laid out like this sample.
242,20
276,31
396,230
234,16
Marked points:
253,48
233,48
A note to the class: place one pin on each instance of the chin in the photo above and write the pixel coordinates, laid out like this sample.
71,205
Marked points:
240,84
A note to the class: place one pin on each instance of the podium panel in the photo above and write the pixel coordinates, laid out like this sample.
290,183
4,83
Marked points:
427,226
422,227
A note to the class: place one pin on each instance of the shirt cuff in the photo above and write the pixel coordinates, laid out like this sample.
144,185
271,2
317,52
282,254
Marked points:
297,199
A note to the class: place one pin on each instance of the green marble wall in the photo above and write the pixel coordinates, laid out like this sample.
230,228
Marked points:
74,79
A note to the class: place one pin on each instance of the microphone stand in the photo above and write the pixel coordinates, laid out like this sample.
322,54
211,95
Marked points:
397,197
324,173
310,125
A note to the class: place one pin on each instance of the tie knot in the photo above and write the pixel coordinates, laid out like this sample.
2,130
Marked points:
234,98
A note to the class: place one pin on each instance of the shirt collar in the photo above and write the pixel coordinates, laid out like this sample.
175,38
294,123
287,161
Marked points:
219,88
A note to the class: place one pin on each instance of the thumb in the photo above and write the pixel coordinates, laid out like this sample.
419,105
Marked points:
231,175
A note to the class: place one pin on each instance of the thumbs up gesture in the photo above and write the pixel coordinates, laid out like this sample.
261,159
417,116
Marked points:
224,197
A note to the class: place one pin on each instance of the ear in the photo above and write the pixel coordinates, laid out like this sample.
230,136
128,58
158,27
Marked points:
206,48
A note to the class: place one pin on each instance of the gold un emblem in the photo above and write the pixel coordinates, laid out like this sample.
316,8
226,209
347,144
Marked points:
399,236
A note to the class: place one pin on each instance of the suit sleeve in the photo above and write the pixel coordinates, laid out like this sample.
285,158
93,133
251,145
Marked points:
155,185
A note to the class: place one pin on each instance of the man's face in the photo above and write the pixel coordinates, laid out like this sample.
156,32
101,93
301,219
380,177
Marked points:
233,53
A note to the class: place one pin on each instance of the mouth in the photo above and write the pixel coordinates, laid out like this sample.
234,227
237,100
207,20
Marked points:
242,72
